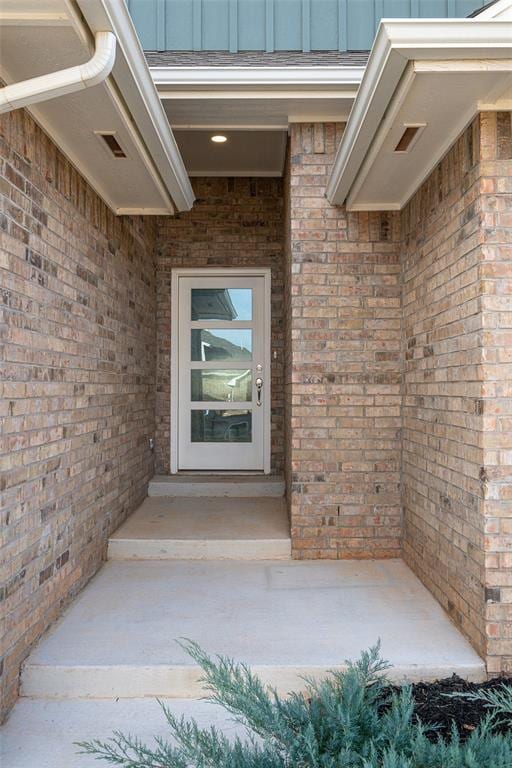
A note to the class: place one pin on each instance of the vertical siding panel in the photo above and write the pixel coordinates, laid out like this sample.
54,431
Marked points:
465,7
144,18
288,25
161,42
215,25
396,9
378,13
233,26
197,24
342,25
178,22
306,25
432,9
324,26
361,14
269,25
309,25
251,25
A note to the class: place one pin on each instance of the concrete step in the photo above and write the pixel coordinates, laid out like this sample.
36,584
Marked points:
193,528
286,619
236,486
41,733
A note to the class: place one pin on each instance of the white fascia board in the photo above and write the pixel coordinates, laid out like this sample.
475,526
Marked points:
381,132
134,81
262,77
397,43
276,94
383,72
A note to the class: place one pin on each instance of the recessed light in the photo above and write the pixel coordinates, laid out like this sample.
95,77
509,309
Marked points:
219,139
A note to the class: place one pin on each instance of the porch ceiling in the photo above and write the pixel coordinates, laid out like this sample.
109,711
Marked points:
252,103
245,153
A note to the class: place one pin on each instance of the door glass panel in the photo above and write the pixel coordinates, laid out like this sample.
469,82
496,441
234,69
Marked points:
221,344
227,386
221,426
221,304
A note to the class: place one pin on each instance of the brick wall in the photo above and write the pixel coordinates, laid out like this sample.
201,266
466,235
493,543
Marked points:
235,222
442,420
77,408
457,391
496,405
343,372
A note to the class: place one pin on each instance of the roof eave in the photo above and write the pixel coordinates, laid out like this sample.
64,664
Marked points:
397,43
134,80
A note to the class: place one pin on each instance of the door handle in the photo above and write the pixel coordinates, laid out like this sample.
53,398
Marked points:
259,387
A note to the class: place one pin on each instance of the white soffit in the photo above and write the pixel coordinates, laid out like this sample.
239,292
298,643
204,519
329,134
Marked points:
437,73
255,96
43,37
255,113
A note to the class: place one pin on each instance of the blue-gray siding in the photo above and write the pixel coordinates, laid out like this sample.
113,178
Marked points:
276,25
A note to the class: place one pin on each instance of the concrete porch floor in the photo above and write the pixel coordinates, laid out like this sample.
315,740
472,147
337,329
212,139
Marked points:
114,650
115,646
118,638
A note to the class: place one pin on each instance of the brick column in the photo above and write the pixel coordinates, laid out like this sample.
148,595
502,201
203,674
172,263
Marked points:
495,187
457,388
343,364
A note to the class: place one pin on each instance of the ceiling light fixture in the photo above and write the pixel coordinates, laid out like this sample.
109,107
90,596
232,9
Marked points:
219,139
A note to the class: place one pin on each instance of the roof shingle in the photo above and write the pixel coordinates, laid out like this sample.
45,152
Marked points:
256,59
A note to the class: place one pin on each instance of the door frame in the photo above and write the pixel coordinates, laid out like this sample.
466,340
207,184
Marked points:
264,272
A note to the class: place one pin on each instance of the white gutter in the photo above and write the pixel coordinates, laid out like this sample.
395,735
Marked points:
240,76
65,81
397,43
133,78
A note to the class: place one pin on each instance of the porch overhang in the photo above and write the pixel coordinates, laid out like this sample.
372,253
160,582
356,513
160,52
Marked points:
252,104
431,76
147,176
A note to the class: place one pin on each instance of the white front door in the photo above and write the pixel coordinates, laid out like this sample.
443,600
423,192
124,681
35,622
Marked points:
222,402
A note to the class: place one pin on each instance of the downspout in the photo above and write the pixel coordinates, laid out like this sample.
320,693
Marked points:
64,81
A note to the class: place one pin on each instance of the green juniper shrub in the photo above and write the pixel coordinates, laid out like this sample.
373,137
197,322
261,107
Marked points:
351,719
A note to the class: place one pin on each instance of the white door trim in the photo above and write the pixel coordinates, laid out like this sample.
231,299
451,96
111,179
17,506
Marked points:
219,272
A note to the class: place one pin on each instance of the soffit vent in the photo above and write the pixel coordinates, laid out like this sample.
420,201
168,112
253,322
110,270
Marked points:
409,137
111,143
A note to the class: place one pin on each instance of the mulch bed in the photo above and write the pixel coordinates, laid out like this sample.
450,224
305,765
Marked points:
432,707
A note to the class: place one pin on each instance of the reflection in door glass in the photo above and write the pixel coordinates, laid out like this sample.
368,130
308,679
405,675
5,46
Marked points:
221,344
221,426
227,386
221,304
